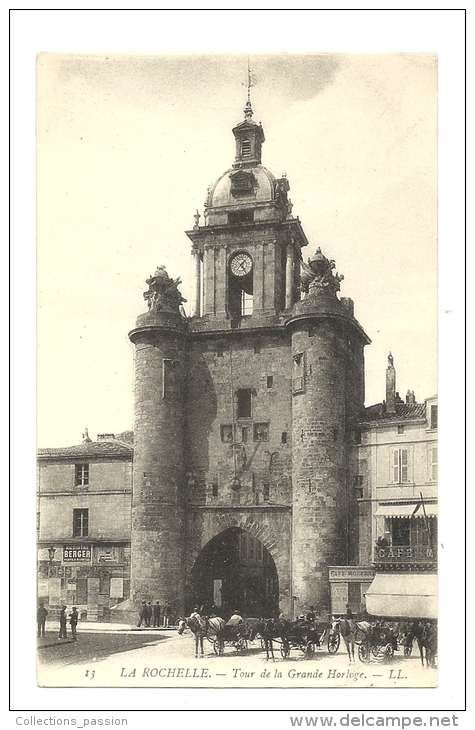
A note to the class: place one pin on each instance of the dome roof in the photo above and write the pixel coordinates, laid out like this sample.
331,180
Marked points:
262,190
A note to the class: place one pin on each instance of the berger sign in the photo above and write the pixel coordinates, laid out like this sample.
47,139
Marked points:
77,554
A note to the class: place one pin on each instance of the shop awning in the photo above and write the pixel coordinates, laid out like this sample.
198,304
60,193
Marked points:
403,595
430,510
396,510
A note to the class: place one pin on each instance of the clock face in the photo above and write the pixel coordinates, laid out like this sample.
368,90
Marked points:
241,264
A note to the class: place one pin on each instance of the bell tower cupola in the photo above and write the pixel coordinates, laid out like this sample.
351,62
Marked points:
246,253
249,138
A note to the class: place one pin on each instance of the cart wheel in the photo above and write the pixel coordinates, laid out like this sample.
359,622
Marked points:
285,650
364,652
389,651
241,645
408,650
333,643
310,649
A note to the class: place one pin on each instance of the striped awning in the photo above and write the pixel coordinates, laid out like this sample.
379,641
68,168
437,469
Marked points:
430,510
396,510
403,595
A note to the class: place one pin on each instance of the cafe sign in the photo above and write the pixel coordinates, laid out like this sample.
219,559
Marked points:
76,554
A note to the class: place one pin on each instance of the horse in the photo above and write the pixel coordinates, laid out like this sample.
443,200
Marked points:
270,629
426,636
201,627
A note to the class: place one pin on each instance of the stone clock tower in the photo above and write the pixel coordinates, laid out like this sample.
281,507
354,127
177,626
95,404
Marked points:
245,411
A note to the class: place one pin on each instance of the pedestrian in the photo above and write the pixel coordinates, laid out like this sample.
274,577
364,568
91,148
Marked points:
156,614
62,624
348,630
148,614
311,615
73,621
142,614
41,614
166,613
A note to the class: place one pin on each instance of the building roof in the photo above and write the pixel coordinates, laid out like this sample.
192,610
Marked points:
404,412
89,450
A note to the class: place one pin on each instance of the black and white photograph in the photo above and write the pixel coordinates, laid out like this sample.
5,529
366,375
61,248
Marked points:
238,317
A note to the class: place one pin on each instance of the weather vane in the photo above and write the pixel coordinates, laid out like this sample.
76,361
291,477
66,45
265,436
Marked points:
252,80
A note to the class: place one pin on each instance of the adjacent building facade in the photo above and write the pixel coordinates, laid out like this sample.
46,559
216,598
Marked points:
84,519
397,479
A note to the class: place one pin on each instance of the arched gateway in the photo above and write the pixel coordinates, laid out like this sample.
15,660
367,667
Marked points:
235,570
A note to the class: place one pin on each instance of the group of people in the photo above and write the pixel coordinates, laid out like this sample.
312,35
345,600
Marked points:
154,616
42,613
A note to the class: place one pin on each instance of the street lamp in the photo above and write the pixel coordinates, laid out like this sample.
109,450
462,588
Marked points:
51,552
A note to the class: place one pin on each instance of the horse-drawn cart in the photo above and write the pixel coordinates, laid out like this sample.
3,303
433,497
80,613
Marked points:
308,637
236,636
375,640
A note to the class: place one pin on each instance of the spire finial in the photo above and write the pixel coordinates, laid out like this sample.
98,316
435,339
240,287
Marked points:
251,81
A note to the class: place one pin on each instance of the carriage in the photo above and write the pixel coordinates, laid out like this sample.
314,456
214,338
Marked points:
378,640
237,636
308,637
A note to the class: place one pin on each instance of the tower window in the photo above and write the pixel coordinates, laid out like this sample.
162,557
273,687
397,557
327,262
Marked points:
266,492
219,349
226,433
261,432
270,381
80,522
284,437
214,489
81,477
246,147
244,403
247,304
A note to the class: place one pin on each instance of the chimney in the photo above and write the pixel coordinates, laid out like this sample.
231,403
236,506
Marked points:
410,397
390,386
85,437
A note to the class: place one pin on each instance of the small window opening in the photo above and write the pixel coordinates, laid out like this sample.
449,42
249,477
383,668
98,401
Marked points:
270,381
284,437
244,403
219,349
214,489
266,492
261,432
226,433
400,429
433,416
257,347
246,147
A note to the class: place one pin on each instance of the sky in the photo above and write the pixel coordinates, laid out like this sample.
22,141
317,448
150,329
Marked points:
127,146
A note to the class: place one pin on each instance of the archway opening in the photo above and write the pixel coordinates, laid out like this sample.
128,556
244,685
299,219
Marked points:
235,571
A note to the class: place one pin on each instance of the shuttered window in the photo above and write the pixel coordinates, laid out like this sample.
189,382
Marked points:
400,466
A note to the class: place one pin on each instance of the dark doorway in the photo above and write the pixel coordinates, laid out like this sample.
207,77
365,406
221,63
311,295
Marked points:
235,571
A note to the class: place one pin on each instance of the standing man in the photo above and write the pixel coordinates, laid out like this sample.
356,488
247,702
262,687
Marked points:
148,615
41,614
156,615
142,614
62,624
73,621
166,613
